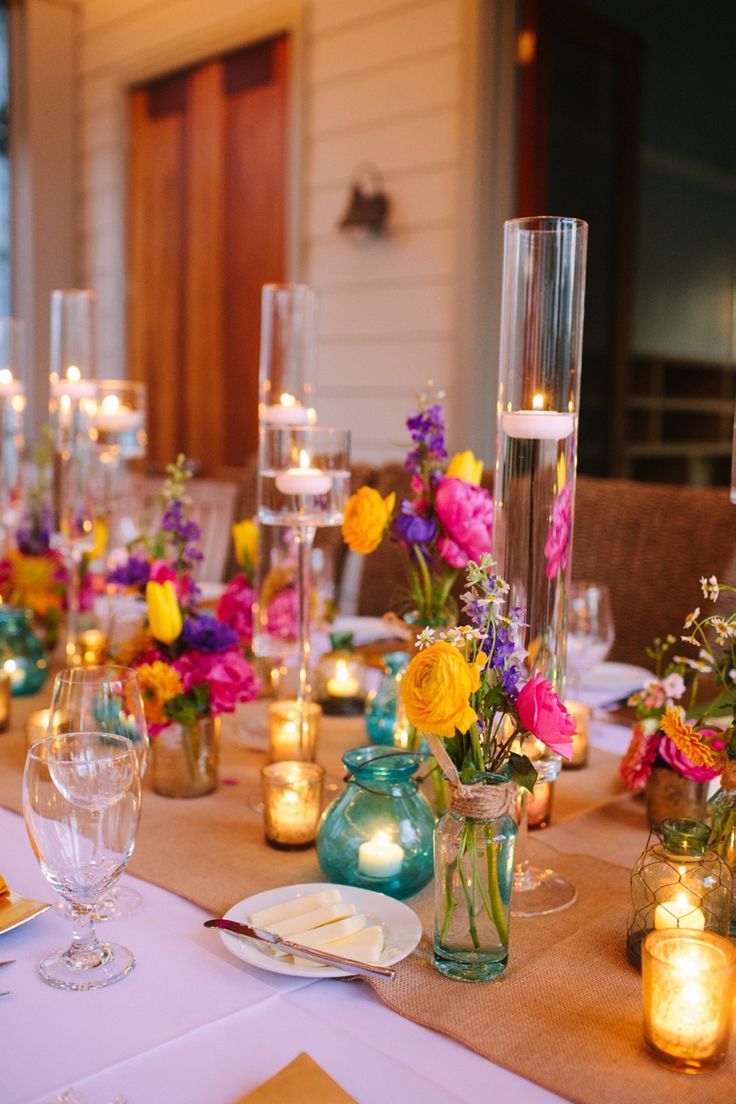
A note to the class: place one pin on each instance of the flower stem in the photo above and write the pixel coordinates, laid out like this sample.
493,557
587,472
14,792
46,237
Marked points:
467,843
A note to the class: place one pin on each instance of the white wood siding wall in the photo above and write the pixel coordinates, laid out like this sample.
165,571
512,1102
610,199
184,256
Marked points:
383,84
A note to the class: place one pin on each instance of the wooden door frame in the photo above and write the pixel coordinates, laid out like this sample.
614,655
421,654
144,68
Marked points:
190,50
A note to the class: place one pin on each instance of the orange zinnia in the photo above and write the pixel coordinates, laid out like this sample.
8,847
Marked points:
684,737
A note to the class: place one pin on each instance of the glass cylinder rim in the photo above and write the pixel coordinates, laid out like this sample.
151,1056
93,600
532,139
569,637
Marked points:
127,748
313,429
718,943
275,772
288,285
74,291
290,706
378,761
86,674
110,382
546,224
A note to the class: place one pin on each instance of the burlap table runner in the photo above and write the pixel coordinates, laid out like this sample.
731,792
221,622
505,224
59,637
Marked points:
566,1015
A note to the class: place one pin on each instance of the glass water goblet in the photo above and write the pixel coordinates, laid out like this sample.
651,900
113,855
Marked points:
537,891
102,699
590,631
81,803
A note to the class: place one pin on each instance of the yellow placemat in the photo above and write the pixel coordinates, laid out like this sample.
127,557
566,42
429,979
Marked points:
301,1082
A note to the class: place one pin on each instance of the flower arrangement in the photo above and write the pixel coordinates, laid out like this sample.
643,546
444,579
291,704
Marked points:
444,524
466,689
663,736
190,664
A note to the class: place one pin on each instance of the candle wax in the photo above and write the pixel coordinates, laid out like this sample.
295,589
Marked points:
678,913
303,481
343,683
379,857
538,425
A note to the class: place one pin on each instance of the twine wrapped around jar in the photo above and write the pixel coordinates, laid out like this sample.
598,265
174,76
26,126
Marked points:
477,801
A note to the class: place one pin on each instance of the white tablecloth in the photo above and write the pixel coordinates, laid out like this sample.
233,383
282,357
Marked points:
193,1025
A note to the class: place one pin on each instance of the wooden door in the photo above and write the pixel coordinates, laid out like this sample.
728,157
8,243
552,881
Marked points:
207,218
578,151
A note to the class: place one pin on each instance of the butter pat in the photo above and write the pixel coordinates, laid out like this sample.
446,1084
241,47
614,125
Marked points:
365,946
308,920
296,907
317,937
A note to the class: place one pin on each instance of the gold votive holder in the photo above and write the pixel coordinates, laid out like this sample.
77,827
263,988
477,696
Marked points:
286,740
539,805
292,803
689,981
5,694
37,724
581,714
91,648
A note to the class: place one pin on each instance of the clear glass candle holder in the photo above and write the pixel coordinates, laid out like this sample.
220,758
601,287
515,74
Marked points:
287,373
689,981
292,803
340,678
287,738
304,476
582,715
118,425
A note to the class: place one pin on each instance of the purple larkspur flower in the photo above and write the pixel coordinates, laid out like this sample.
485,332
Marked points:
33,535
207,634
427,430
503,648
411,529
135,572
510,677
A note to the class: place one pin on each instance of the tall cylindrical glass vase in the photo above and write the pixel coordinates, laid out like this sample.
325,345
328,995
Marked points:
536,457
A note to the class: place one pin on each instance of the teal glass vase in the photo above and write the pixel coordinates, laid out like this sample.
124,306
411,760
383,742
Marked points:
21,652
474,874
378,832
381,705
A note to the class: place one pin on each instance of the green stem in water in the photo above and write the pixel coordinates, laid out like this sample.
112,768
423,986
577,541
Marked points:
450,902
497,910
468,829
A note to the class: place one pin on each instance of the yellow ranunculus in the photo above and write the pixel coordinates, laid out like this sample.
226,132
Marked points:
465,466
245,542
164,614
436,690
366,517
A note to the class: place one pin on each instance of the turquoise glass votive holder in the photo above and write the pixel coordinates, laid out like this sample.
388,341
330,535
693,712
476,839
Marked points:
380,706
378,833
21,652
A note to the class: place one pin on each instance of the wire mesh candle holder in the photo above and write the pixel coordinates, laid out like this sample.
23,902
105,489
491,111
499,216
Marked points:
12,411
71,411
303,485
536,456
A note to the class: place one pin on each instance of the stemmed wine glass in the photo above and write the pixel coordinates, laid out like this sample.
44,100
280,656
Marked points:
590,632
81,803
102,699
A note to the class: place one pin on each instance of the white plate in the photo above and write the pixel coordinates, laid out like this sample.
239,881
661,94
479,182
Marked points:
401,928
619,678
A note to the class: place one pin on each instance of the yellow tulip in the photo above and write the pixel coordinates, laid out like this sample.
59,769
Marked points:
164,614
245,542
465,466
366,517
436,690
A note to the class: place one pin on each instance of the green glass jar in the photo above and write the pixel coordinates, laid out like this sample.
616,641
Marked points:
678,883
21,652
377,833
721,818
381,703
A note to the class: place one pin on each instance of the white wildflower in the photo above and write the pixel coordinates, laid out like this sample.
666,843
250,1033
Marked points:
673,686
702,666
692,618
425,638
710,587
689,640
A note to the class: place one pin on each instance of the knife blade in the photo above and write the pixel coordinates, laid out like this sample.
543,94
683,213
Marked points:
8,962
324,957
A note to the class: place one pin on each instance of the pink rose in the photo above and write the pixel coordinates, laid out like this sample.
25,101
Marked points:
466,514
228,674
557,545
542,713
235,608
680,763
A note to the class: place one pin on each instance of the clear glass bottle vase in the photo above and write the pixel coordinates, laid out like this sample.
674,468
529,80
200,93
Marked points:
185,758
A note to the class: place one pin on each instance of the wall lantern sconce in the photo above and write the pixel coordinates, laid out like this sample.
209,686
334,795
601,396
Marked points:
368,206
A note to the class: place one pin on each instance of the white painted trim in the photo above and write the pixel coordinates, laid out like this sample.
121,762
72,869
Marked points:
486,200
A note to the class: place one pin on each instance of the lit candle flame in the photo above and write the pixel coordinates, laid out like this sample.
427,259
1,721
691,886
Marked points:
538,401
304,460
287,399
6,376
73,374
111,404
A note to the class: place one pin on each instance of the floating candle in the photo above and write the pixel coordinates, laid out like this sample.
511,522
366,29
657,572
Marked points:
343,683
303,480
112,416
8,385
537,425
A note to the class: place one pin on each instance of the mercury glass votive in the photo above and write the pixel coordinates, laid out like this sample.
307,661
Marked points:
292,803
283,731
539,805
37,725
689,981
581,714
4,700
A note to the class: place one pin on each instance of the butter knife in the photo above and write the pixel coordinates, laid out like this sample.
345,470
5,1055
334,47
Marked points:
324,957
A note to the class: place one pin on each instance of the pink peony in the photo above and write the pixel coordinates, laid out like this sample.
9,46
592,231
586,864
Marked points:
680,763
229,675
281,615
542,713
235,608
557,545
636,765
466,514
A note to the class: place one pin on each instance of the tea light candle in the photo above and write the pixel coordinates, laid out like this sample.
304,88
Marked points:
9,387
581,714
288,411
92,647
379,857
112,416
72,385
292,803
303,480
283,731
4,700
343,683
678,913
688,988
537,424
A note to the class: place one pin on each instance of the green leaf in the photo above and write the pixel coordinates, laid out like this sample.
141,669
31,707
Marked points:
523,771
